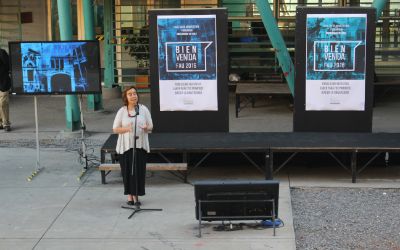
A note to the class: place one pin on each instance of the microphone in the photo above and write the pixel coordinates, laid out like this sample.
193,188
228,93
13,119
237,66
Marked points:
137,109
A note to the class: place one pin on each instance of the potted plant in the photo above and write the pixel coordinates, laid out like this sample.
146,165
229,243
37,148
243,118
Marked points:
138,47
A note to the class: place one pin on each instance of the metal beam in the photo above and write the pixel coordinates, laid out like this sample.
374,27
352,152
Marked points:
379,5
285,62
282,53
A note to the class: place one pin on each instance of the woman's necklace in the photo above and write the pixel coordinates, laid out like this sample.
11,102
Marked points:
130,110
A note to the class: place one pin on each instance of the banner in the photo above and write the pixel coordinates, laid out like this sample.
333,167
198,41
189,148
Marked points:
187,62
335,61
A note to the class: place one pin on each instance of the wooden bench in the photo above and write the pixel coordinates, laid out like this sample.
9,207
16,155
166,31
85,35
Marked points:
106,168
254,89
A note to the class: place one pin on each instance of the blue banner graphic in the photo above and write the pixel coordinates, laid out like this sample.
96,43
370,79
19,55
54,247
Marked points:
336,47
187,48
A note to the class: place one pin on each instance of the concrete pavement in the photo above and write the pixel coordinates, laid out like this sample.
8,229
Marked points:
57,211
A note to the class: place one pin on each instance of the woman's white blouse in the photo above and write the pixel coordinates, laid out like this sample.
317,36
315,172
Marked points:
125,140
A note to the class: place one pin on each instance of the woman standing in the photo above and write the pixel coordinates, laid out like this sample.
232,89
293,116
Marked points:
127,116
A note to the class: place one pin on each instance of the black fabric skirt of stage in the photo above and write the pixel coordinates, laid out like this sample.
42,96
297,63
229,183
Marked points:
125,161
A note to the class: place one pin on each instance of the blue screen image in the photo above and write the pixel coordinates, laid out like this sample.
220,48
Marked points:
56,67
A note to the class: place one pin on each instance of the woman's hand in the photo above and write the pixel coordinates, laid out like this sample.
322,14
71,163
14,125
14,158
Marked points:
123,130
144,126
128,129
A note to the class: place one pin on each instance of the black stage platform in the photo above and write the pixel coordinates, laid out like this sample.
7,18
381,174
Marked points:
269,143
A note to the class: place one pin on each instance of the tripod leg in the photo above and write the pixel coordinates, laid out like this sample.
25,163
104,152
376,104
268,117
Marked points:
135,210
133,213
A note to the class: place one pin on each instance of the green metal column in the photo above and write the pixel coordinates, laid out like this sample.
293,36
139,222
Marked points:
379,5
108,48
277,41
72,113
94,102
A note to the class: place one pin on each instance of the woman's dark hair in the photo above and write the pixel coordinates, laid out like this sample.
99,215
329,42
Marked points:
124,98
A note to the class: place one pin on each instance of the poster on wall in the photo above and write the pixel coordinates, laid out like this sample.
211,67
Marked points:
187,62
335,62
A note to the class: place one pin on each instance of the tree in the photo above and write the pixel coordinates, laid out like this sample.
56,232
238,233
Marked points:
138,47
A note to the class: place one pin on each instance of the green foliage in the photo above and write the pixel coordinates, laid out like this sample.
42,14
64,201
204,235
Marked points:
138,46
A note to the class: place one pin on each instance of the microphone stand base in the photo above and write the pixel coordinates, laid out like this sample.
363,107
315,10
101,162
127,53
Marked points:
137,209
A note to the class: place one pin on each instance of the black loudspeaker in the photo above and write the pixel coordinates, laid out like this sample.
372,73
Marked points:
236,200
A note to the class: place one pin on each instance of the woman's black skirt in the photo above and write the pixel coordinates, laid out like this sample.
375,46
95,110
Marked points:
125,161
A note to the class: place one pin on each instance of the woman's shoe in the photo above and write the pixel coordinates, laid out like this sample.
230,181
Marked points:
130,203
138,203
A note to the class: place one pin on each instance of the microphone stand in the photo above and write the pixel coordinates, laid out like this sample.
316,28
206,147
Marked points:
134,172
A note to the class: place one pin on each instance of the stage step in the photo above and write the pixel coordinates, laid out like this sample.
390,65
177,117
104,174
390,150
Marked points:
181,167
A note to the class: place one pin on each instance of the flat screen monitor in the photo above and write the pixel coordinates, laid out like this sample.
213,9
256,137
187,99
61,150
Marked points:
236,199
55,68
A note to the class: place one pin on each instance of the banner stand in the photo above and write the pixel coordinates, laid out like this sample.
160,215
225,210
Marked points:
82,152
38,168
334,69
189,70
